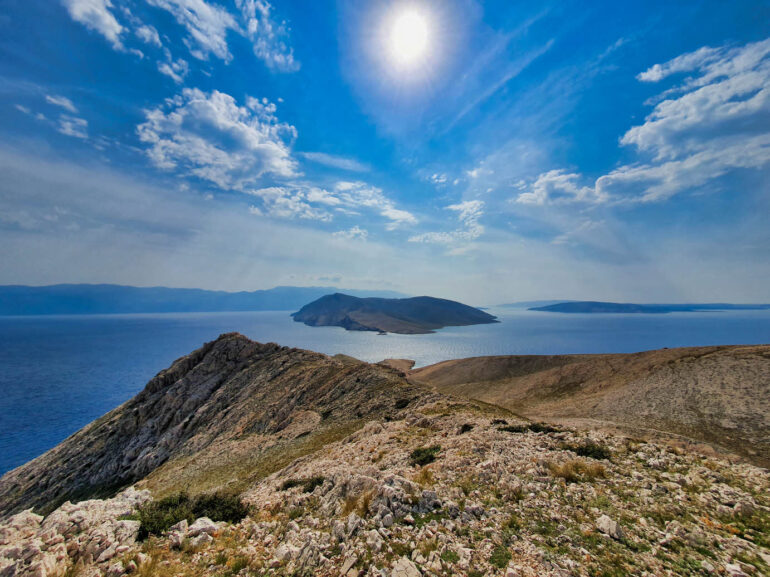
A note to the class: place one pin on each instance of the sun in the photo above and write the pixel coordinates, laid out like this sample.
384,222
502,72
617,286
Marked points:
409,38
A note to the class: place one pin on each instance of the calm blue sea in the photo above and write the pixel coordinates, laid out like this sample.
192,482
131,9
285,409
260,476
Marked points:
59,373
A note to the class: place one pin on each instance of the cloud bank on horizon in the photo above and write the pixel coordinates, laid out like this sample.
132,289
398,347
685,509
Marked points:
510,152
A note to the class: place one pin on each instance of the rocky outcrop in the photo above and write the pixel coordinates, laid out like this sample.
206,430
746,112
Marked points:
231,397
89,533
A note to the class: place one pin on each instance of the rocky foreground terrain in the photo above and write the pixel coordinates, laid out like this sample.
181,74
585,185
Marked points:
410,483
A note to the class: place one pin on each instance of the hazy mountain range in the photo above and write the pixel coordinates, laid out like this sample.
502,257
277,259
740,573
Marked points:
75,299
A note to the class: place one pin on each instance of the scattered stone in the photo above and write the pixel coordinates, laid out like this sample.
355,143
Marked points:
610,527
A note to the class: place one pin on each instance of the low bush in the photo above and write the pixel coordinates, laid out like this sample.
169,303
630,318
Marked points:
465,428
424,455
542,428
308,485
499,422
157,517
402,403
590,449
500,556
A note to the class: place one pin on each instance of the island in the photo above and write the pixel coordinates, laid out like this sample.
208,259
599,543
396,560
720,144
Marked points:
406,316
606,307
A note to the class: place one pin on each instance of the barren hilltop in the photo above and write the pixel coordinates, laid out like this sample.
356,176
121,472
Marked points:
255,459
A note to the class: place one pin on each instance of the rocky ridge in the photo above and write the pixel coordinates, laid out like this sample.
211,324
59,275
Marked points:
228,413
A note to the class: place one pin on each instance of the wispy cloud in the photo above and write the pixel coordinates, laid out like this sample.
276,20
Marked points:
96,15
207,26
354,233
149,35
175,69
335,161
269,38
308,201
73,126
61,102
469,213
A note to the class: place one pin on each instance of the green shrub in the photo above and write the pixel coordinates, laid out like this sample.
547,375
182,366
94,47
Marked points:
424,455
542,428
500,556
465,428
450,556
157,517
220,506
402,403
308,485
590,449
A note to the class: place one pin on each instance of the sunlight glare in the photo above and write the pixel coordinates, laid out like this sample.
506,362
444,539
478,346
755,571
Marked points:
409,38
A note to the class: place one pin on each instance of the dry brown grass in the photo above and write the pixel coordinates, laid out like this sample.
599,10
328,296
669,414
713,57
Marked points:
424,477
358,503
577,470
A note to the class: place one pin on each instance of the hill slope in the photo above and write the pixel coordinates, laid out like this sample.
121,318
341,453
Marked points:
223,415
415,315
717,395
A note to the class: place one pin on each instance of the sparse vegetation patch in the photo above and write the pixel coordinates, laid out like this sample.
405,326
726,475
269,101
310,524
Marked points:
424,455
308,485
156,517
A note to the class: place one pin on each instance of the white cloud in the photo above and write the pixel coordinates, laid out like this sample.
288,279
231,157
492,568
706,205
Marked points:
353,233
437,178
211,137
267,36
557,186
288,202
715,121
469,213
361,194
684,63
304,200
175,69
73,126
61,102
207,26
96,15
335,161
149,35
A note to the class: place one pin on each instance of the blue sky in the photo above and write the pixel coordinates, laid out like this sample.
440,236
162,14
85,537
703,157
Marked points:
524,150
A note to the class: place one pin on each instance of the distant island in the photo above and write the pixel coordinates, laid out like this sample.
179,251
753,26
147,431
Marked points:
605,307
80,299
408,316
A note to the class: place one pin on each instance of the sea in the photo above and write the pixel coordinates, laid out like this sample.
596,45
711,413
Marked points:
58,373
